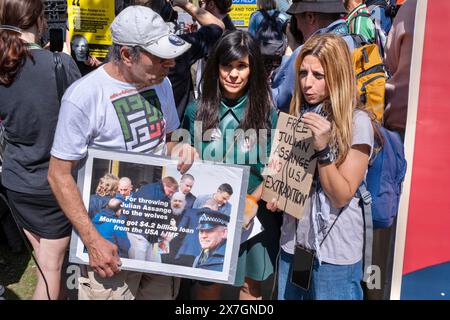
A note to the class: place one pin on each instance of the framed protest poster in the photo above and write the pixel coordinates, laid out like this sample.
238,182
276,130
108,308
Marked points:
290,171
158,228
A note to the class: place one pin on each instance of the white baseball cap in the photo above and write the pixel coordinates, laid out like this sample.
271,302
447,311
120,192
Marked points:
143,27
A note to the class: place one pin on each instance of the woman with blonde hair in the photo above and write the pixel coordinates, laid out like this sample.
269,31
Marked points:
332,225
107,187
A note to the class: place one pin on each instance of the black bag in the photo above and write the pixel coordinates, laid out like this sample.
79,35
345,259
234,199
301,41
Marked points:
272,40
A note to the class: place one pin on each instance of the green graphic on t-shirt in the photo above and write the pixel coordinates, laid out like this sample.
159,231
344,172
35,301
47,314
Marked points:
141,120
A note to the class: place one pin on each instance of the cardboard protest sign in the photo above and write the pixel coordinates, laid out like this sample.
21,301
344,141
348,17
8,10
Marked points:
156,227
290,170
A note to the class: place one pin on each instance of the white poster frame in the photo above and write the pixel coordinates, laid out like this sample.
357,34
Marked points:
236,175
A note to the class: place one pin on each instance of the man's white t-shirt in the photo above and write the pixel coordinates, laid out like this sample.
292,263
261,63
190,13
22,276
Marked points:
100,111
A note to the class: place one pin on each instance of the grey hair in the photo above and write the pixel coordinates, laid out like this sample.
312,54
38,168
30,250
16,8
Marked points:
179,196
135,52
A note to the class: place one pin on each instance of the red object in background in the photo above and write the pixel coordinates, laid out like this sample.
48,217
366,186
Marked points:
428,228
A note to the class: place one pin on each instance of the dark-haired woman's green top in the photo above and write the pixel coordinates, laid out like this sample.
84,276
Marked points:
257,256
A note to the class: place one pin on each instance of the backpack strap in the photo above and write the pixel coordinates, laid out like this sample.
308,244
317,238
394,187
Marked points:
383,3
366,204
270,18
265,14
362,14
60,75
358,40
276,14
265,23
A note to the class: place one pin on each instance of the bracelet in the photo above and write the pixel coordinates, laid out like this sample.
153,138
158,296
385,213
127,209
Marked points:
324,160
325,151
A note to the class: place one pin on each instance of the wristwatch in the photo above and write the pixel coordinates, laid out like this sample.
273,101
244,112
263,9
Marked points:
326,158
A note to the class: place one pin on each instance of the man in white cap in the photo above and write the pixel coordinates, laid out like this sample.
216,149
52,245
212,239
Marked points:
126,104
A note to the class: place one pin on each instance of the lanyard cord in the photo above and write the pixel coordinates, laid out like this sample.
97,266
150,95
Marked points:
329,230
32,45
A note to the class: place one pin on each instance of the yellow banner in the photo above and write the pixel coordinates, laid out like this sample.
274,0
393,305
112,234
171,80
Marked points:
240,13
89,22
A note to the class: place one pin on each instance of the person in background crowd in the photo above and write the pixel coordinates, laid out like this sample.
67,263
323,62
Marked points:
79,47
382,14
29,111
201,41
272,43
220,9
80,53
398,61
94,112
294,35
358,19
312,17
332,225
257,17
283,5
236,95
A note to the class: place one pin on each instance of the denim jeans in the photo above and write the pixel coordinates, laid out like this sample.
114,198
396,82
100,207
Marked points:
328,282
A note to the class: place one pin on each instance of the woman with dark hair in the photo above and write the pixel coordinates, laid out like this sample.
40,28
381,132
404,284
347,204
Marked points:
236,117
29,110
